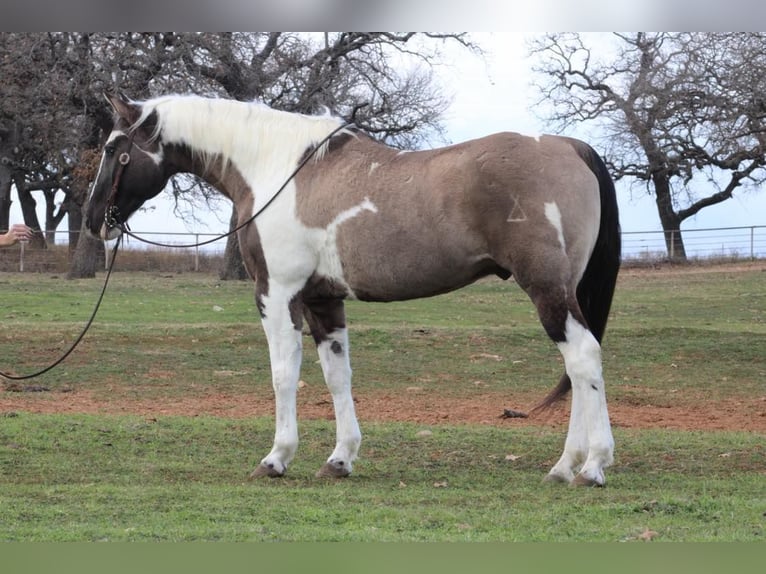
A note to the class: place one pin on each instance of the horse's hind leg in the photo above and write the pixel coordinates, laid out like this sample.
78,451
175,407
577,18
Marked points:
589,444
326,319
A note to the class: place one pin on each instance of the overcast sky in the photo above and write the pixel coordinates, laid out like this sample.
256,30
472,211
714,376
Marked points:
490,94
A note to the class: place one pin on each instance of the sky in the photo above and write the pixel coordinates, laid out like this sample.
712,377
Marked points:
490,93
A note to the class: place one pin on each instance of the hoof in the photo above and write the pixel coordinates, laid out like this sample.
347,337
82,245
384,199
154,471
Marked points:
333,470
557,478
266,470
582,480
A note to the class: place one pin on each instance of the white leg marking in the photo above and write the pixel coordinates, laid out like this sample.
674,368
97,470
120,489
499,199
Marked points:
576,445
589,424
553,214
285,349
334,357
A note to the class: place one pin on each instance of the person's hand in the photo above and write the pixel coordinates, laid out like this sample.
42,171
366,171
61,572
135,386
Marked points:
18,232
21,232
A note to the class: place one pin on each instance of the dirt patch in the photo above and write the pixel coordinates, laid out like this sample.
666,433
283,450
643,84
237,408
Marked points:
408,406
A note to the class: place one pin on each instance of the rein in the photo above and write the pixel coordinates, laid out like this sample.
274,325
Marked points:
110,216
68,352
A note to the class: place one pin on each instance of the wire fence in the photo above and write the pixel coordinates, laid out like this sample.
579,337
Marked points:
747,242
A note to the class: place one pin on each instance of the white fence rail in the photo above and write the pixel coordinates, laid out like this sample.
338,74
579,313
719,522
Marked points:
747,242
741,242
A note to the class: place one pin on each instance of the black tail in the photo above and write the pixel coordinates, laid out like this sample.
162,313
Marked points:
596,288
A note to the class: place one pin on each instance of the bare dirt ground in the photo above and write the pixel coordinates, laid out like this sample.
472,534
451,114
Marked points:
410,406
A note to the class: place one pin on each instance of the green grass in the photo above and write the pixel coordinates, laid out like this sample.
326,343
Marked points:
116,478
682,337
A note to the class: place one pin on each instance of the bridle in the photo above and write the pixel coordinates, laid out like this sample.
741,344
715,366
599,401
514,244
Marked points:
111,212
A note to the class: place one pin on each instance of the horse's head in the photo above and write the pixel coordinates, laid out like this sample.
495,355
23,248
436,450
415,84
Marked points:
131,171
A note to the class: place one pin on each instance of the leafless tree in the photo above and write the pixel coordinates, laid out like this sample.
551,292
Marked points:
53,118
682,114
391,73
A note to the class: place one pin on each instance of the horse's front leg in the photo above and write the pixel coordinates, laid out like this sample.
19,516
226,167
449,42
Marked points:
326,319
285,349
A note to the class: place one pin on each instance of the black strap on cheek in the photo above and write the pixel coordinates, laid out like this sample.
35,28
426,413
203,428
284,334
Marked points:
110,212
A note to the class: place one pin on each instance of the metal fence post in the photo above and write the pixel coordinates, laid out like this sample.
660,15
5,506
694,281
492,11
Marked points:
672,245
196,252
21,255
752,243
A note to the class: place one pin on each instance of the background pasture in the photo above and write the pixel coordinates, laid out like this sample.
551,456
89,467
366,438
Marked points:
149,430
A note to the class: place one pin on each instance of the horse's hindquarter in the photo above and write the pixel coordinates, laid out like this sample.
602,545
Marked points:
405,225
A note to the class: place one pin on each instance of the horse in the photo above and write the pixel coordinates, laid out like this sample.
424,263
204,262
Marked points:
357,219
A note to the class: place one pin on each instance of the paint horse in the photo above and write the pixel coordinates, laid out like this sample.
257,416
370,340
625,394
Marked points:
363,220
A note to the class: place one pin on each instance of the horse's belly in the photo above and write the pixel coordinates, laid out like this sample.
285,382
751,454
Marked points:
397,277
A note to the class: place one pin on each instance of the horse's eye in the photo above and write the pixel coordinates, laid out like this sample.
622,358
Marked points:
109,150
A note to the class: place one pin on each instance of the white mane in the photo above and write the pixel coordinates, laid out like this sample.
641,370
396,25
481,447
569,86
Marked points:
250,135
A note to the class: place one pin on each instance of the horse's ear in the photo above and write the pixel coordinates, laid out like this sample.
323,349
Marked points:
123,107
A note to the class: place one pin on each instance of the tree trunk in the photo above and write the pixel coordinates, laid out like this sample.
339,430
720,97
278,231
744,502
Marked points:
51,219
29,211
233,267
671,223
88,255
76,222
5,200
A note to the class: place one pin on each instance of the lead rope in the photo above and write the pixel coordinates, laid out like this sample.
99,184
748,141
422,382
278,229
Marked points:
69,351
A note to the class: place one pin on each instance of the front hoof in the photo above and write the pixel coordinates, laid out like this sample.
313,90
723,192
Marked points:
585,480
267,470
557,478
334,470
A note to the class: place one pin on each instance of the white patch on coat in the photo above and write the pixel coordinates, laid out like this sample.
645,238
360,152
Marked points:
373,166
110,139
155,157
553,214
329,258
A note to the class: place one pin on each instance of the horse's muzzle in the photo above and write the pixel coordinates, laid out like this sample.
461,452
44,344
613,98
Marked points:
108,233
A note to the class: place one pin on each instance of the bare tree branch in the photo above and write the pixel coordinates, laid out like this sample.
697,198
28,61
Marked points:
676,107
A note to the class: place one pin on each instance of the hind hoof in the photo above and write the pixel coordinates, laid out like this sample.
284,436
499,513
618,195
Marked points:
333,470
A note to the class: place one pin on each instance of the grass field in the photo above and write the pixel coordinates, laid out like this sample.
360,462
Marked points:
691,340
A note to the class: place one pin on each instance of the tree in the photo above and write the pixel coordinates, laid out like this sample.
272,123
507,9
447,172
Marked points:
336,72
675,109
32,152
54,116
